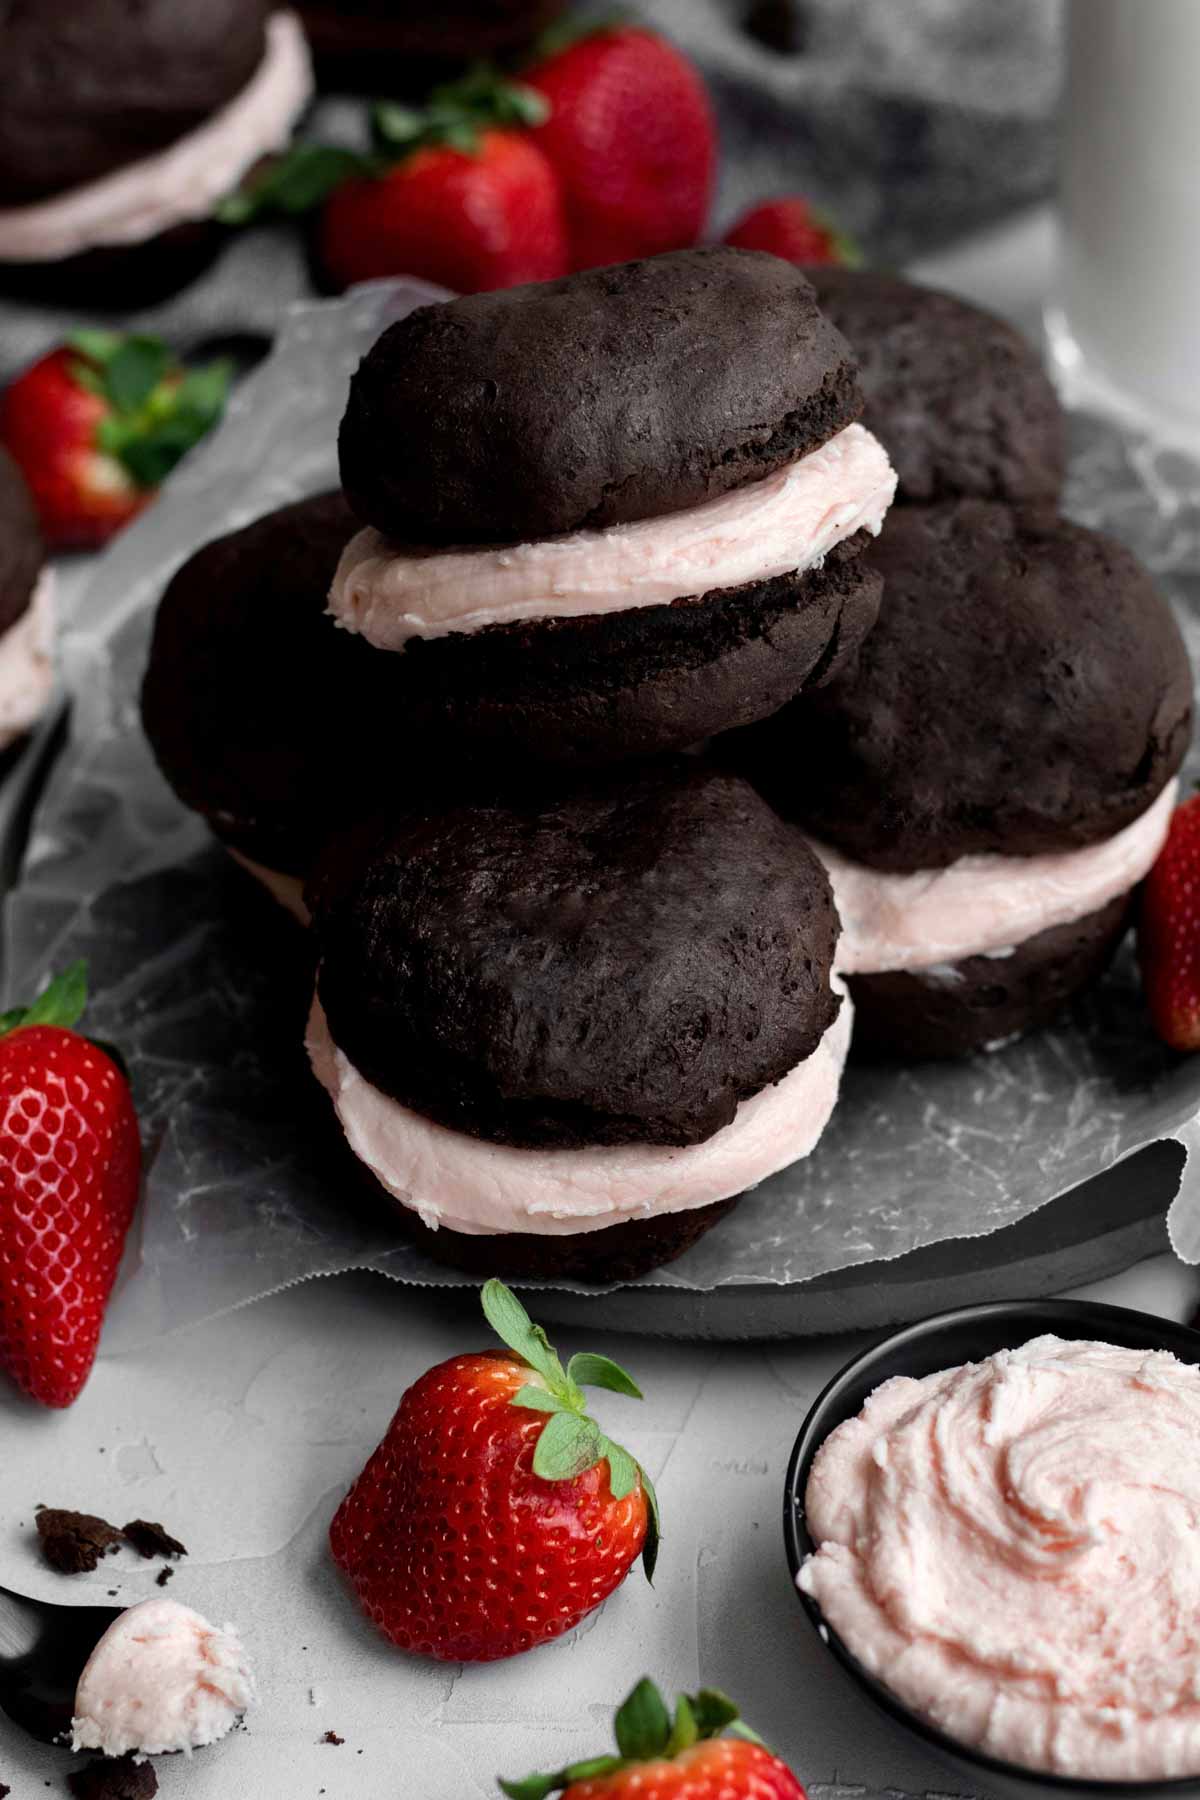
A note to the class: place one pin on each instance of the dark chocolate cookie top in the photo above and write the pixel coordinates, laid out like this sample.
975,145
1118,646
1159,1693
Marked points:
620,393
619,963
22,552
958,398
262,714
87,86
1026,689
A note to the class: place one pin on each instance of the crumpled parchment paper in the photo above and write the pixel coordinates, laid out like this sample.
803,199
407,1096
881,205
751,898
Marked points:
205,986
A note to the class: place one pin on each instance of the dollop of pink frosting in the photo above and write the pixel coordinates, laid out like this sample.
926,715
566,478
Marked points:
27,663
1013,1547
789,521
983,905
480,1188
161,1679
184,181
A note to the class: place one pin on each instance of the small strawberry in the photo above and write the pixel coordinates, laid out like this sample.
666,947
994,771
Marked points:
98,425
663,1758
495,1514
792,228
631,134
1169,932
70,1158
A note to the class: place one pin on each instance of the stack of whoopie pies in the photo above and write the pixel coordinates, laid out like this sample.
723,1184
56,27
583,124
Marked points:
604,786
575,990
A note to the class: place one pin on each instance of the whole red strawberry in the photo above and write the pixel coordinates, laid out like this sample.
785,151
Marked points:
489,217
99,424
792,228
1169,932
704,1752
631,134
70,1158
495,1514
455,191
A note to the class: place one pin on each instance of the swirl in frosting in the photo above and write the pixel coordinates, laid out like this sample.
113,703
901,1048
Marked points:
1013,1547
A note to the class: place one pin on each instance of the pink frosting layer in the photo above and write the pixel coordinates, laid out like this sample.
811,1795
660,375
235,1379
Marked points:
481,1189
181,183
27,663
791,520
161,1678
1013,1548
983,905
288,890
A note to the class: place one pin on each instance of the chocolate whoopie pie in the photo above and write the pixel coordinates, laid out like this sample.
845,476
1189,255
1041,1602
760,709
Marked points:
273,725
959,399
573,1021
121,128
26,609
996,777
611,515
401,47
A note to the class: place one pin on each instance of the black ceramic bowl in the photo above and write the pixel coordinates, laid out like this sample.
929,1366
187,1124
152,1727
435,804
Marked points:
944,1342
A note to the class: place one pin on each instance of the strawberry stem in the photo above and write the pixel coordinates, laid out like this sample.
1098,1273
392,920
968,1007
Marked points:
571,1442
458,113
61,1002
646,1732
157,410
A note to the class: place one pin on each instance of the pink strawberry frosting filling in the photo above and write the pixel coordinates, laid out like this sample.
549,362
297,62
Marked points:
161,1678
789,521
479,1188
288,890
983,905
183,182
27,663
1012,1547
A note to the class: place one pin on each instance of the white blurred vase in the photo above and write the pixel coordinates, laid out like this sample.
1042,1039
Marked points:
1125,327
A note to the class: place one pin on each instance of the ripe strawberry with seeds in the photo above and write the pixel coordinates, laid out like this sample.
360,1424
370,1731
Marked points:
792,228
1169,932
454,191
70,1159
487,217
496,1514
702,1752
631,134
97,426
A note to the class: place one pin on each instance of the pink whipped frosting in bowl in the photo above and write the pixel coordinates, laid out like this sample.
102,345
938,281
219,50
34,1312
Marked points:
993,1521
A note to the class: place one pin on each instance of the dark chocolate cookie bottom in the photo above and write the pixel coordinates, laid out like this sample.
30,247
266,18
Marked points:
120,278
613,1253
607,687
983,1001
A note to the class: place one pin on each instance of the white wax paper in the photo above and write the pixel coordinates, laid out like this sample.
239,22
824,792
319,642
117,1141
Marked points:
204,986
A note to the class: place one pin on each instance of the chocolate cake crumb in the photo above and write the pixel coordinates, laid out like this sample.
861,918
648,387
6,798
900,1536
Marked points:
149,1539
74,1542
331,1737
164,1575
121,1780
